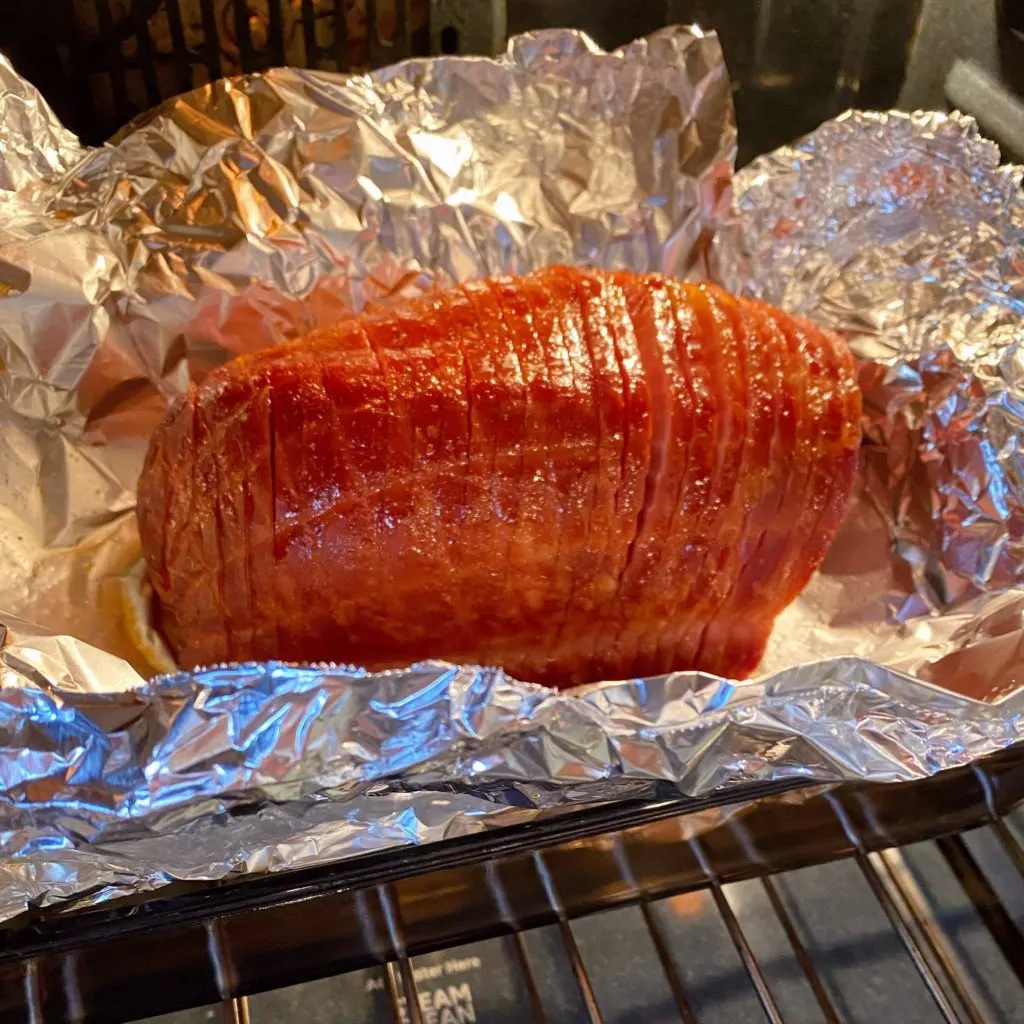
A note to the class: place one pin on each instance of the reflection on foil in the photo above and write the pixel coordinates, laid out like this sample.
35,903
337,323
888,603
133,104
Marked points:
247,212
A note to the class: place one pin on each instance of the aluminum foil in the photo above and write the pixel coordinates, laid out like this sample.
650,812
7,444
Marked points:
904,233
249,211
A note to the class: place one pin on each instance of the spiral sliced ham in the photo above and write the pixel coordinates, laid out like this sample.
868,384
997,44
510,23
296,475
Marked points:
575,475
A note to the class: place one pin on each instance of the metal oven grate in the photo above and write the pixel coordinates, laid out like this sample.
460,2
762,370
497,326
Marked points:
893,878
858,904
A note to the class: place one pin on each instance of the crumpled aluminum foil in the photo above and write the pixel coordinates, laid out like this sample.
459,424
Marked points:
245,213
904,233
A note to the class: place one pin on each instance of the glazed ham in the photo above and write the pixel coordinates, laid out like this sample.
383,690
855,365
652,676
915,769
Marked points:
575,475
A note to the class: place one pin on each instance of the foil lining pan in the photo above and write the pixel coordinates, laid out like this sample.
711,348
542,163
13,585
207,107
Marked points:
251,210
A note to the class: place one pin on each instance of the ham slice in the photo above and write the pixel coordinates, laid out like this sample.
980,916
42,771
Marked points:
575,475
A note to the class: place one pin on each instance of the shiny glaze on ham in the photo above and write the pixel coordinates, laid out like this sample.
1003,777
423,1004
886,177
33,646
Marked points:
575,475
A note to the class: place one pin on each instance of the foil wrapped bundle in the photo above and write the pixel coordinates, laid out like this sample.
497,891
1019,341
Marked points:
251,210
